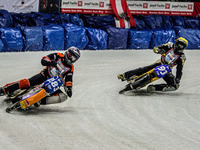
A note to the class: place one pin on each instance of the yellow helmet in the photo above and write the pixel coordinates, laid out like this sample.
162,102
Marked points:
180,45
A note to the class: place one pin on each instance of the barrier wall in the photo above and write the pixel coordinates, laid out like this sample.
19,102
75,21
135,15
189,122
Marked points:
37,31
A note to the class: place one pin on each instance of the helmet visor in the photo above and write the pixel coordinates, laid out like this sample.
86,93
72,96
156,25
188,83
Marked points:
70,58
73,58
180,46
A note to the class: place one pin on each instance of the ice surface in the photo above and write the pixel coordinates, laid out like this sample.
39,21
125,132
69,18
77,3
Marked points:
97,117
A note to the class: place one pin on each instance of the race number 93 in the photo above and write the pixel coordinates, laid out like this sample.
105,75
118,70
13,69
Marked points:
162,70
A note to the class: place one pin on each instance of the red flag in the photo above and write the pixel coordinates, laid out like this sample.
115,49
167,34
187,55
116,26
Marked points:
196,12
122,13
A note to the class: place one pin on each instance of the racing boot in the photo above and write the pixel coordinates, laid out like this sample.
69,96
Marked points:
2,93
162,87
121,77
169,88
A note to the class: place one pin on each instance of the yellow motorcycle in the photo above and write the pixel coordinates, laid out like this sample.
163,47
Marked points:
141,81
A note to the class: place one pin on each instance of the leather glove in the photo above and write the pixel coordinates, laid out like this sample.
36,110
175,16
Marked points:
53,63
155,50
68,90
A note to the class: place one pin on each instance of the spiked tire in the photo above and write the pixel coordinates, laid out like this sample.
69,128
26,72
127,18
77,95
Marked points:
127,88
13,107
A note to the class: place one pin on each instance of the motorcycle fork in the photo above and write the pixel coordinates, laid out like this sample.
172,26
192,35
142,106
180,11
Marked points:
149,76
151,73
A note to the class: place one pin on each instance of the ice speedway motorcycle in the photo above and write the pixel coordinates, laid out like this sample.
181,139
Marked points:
137,82
24,99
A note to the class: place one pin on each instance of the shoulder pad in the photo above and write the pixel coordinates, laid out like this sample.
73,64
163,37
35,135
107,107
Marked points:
60,55
72,67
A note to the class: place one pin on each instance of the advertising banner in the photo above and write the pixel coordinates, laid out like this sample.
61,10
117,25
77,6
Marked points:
161,8
86,6
20,6
135,7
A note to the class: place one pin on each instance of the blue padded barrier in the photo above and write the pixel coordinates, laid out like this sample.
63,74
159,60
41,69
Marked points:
167,21
192,23
29,19
58,36
20,19
75,36
6,19
41,19
178,21
97,39
33,38
177,28
140,24
98,22
38,19
59,18
152,21
139,39
161,36
117,38
1,45
12,39
193,37
75,19
56,18
53,37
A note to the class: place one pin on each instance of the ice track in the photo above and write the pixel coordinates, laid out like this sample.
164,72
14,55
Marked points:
97,117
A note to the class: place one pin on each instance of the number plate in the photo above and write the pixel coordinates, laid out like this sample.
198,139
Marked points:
162,70
53,84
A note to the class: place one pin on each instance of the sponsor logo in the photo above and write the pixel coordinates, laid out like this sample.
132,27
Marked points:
167,6
190,6
91,4
101,4
157,6
71,3
145,5
135,5
80,3
179,6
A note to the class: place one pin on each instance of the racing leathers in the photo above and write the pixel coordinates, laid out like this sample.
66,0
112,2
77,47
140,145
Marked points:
170,57
50,61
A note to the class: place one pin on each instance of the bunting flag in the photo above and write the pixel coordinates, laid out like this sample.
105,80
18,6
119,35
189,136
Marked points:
196,12
124,19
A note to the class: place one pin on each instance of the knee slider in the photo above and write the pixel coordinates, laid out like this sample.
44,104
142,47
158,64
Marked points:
59,98
24,84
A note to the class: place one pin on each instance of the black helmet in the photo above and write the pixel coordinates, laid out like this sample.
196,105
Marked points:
180,45
72,54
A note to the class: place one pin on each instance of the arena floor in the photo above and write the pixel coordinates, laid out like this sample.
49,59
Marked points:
97,117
